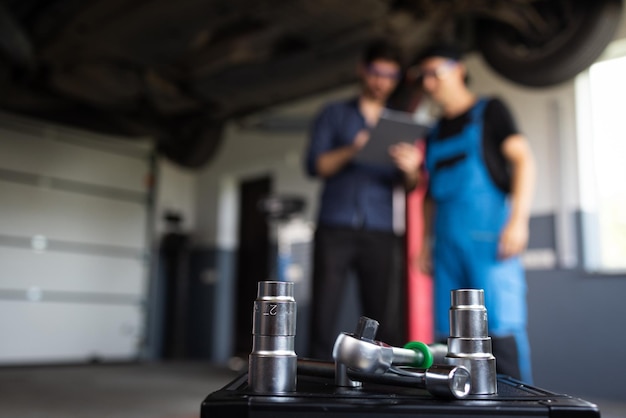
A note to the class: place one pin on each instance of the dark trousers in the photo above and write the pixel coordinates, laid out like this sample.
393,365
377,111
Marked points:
375,259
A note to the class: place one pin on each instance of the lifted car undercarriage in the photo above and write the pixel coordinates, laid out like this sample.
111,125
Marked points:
176,71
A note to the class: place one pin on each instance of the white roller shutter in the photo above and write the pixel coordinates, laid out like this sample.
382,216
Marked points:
73,244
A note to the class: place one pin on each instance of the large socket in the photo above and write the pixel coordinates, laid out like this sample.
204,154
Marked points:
272,365
469,344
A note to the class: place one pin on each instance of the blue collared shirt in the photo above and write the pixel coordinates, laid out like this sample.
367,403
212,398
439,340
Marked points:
359,195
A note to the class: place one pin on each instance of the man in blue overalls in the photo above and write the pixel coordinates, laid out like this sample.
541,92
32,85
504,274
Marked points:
481,176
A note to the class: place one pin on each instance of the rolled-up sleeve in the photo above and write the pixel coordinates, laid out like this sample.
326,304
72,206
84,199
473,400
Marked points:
321,140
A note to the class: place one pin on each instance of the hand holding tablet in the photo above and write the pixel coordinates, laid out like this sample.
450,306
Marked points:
392,128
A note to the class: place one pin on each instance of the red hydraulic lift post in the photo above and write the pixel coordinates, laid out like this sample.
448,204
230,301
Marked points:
419,285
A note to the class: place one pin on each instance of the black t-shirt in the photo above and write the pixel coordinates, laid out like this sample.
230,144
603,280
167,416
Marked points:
498,124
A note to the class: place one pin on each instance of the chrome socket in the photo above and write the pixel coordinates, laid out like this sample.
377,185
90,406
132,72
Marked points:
469,344
273,363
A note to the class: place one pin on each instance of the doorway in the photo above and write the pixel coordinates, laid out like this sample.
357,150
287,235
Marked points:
253,257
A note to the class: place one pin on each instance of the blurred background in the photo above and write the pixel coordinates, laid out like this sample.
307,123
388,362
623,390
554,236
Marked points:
138,138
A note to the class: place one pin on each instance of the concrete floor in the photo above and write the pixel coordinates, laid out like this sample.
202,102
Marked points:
147,390
150,390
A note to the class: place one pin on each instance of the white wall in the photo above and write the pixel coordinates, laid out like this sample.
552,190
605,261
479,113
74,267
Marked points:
177,192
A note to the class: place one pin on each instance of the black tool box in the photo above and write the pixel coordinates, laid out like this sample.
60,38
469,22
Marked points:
319,397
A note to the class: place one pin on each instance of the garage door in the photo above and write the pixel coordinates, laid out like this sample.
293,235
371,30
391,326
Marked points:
73,253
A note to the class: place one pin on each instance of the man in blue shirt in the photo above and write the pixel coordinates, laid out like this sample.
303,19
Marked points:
355,223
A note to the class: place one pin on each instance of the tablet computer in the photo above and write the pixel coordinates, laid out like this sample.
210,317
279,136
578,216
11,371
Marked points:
393,127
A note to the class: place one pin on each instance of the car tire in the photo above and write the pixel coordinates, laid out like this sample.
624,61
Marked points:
577,44
194,145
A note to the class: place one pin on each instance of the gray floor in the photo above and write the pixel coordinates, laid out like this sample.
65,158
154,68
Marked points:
149,390
158,390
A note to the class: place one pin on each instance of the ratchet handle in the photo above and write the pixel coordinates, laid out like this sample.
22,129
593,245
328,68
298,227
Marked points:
443,381
421,356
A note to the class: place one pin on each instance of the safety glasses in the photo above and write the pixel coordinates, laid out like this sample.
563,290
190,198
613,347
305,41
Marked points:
418,74
374,71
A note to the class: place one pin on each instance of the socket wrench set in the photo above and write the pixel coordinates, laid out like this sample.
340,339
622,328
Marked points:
371,378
